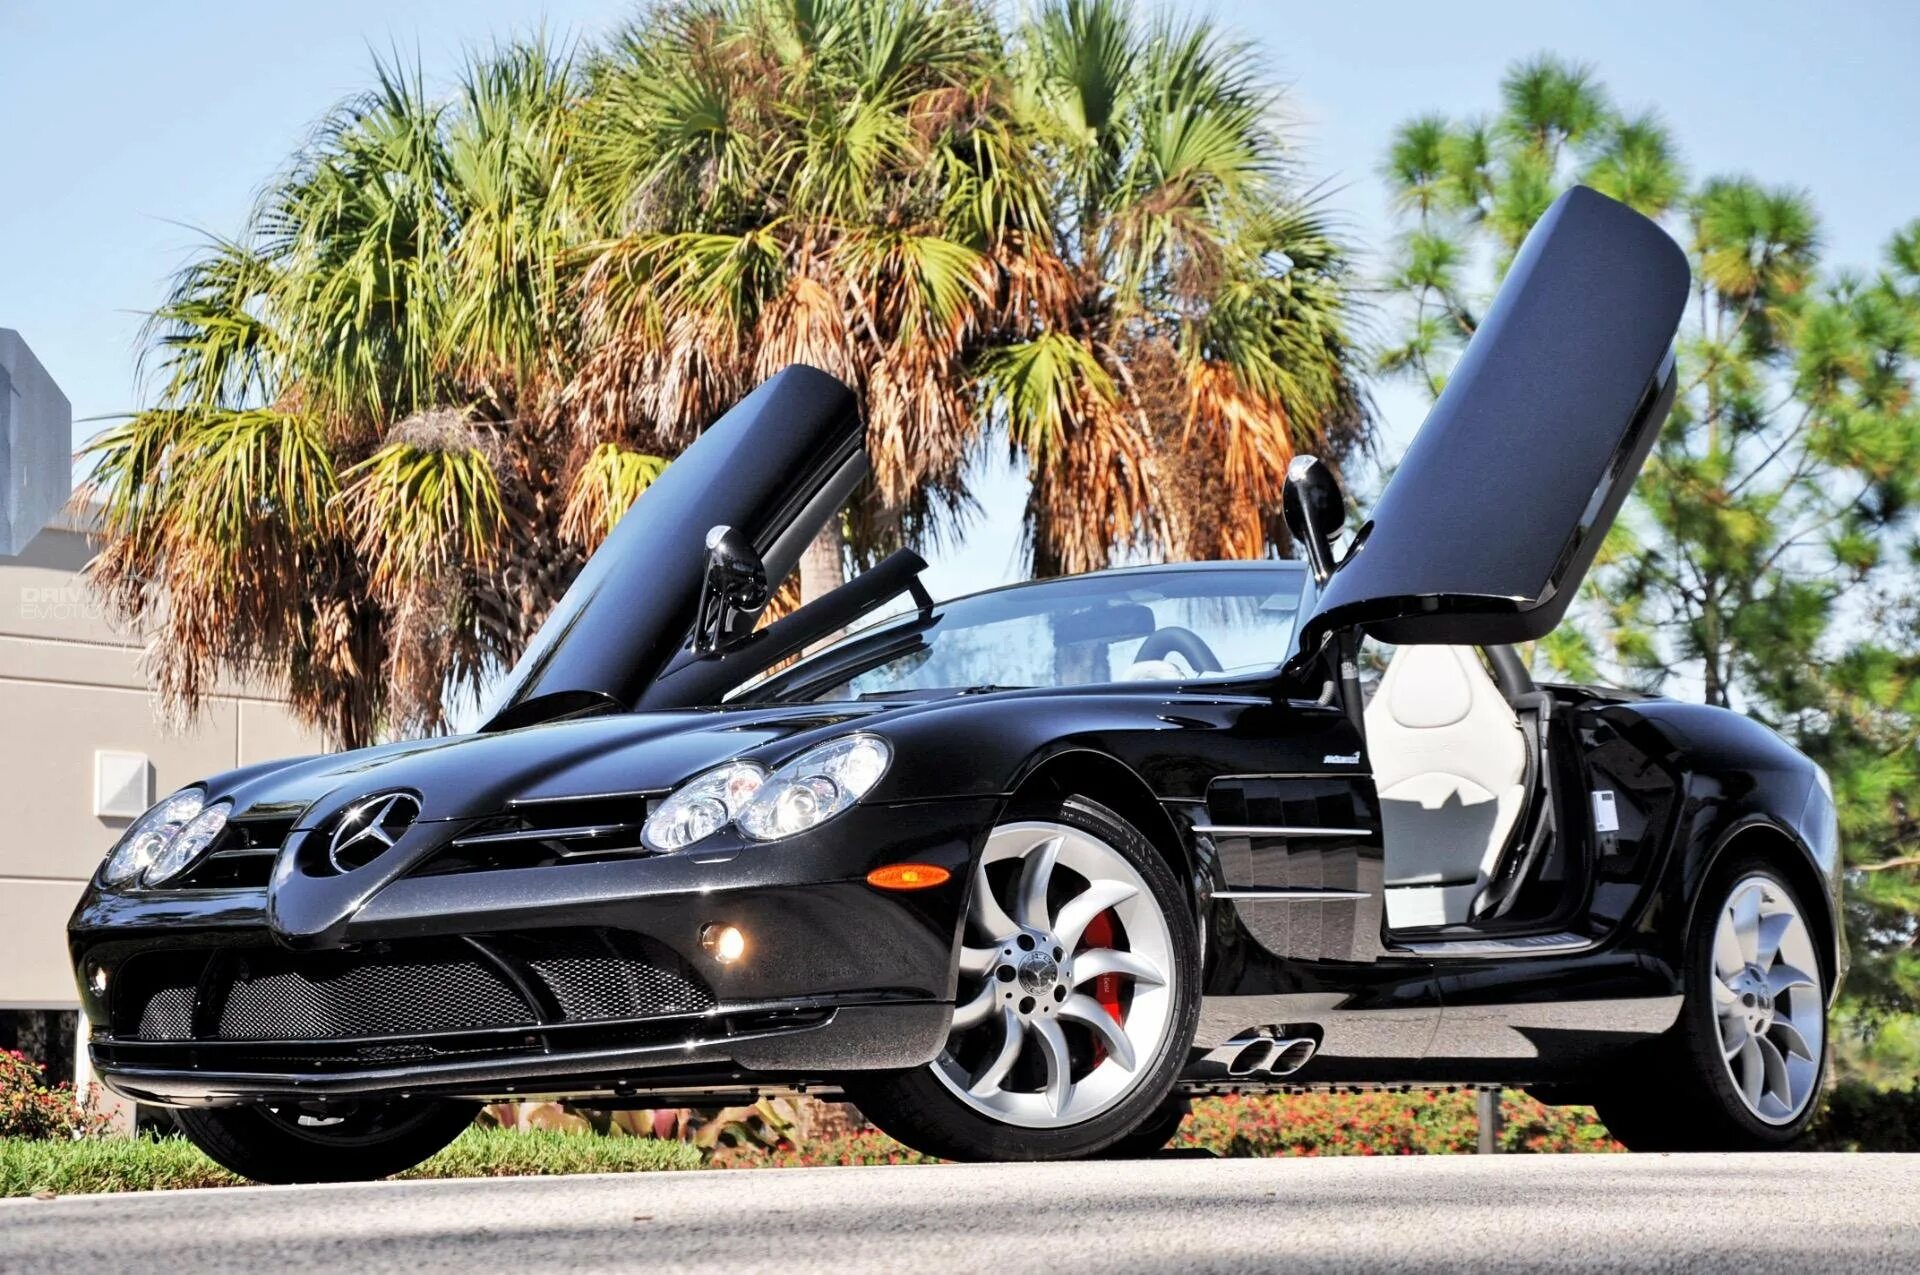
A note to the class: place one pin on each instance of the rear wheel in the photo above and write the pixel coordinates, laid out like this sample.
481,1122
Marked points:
1078,995
1742,1069
294,1143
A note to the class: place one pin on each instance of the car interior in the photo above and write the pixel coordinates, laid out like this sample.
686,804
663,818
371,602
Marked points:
1460,739
1461,744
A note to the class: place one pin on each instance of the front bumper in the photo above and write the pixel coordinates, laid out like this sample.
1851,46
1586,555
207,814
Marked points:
798,1045
197,1000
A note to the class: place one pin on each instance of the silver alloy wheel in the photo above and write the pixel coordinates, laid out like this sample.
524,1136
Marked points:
1766,994
1021,988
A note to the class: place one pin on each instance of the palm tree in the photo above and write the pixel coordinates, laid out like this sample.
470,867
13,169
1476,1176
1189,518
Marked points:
1176,325
460,336
822,181
1092,246
346,481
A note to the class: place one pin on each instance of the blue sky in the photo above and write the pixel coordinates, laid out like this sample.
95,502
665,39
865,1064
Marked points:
123,126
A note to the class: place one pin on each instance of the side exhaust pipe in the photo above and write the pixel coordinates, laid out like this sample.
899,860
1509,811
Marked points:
1290,1056
1256,1055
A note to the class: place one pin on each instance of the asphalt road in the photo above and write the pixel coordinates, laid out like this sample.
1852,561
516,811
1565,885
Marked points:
1523,1213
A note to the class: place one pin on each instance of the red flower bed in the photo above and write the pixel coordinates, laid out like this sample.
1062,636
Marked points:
30,1108
1421,1123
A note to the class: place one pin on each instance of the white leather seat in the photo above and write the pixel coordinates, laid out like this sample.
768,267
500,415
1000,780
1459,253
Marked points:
1450,766
1152,671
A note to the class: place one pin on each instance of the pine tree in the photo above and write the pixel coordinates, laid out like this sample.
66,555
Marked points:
1767,559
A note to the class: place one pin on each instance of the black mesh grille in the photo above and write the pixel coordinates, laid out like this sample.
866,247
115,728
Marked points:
168,1014
372,999
591,987
424,989
594,975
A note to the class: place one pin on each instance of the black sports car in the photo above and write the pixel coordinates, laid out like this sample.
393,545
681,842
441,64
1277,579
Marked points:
1016,873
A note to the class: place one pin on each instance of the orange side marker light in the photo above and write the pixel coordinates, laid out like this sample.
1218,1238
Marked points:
907,876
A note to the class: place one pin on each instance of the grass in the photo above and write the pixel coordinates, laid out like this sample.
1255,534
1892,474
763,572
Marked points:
32,1167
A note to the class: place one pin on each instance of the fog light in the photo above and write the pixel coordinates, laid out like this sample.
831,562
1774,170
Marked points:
724,943
98,980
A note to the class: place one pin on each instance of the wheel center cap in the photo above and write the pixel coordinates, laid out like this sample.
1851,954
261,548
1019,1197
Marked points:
1038,973
1756,999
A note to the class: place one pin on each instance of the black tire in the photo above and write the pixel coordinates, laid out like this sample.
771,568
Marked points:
915,1107
1679,1096
1151,1135
370,1140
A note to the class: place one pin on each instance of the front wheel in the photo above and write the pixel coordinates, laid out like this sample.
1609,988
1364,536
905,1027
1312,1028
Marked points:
1079,992
1742,1069
282,1144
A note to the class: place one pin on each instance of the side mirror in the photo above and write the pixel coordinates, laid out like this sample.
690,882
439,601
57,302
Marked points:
1315,511
733,592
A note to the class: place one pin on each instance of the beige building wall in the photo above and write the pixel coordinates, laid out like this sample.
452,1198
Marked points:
72,686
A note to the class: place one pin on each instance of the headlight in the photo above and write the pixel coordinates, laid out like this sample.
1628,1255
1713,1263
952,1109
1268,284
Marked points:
815,786
702,806
148,837
179,854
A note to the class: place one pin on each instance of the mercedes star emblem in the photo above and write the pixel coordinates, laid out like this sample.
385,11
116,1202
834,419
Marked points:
369,828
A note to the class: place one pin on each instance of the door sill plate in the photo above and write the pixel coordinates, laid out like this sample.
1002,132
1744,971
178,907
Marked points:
1524,945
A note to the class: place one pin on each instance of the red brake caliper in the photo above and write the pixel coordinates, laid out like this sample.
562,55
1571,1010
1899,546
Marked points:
1106,988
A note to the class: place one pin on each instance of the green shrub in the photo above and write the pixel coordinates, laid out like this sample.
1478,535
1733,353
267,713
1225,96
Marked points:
31,1108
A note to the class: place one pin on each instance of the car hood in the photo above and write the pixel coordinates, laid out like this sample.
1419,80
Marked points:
473,776
459,780
1490,522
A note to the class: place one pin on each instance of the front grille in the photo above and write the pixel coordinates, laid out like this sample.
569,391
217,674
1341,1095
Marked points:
591,978
347,998
500,983
241,857
168,1014
543,833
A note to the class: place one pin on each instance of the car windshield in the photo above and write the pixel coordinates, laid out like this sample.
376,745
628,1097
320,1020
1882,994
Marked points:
1158,624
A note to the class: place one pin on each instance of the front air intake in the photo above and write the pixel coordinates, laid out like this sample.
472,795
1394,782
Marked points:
430,988
288,998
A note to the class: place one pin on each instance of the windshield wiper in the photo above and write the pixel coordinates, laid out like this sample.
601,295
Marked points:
936,692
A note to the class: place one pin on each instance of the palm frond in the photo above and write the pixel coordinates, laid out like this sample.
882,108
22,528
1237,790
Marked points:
605,488
424,506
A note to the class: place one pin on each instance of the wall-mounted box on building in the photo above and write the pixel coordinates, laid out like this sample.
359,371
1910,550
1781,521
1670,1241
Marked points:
122,784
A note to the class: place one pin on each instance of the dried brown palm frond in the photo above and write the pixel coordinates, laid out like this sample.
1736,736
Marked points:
806,323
